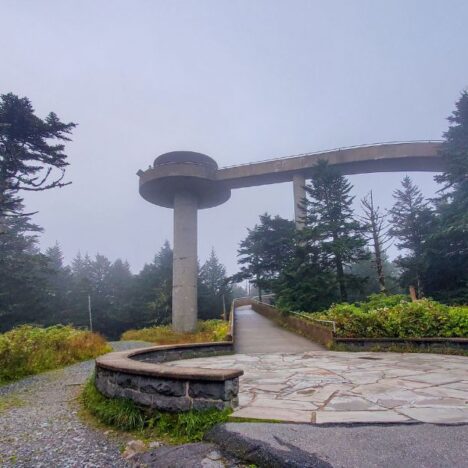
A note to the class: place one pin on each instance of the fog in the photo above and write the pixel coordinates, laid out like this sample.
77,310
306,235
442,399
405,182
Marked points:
238,80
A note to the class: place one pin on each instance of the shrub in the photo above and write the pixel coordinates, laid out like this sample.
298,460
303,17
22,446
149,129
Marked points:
207,331
124,414
27,349
379,301
396,317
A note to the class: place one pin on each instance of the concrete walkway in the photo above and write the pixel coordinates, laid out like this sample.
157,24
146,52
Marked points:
256,334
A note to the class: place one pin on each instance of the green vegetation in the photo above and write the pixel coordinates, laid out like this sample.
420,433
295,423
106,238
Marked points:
125,415
28,350
340,255
395,317
38,287
402,348
207,331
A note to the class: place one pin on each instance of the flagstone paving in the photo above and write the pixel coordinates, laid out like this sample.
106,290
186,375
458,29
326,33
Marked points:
340,387
289,378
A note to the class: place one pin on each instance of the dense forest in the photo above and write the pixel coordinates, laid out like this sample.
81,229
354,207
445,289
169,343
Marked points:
338,256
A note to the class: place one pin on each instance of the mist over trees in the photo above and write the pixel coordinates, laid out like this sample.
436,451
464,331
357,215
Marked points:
338,256
45,291
39,288
341,256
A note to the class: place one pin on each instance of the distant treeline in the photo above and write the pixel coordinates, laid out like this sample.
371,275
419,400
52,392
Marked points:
38,288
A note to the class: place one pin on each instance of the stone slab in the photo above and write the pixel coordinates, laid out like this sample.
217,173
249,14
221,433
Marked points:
271,413
323,417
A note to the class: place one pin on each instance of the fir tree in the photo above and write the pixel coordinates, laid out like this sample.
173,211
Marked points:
213,289
446,253
266,251
23,291
411,220
330,222
32,154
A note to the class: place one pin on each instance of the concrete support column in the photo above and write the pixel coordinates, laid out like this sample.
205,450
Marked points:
299,194
185,266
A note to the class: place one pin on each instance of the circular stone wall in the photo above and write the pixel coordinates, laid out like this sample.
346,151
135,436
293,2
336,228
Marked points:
141,376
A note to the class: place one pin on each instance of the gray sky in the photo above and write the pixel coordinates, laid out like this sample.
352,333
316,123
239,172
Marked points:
238,80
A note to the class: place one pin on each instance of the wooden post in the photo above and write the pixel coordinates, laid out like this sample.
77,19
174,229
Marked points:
412,291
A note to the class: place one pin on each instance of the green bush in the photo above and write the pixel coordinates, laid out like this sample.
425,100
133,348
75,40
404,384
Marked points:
124,414
27,350
379,301
396,317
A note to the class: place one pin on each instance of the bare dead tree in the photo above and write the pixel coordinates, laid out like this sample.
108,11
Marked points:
376,231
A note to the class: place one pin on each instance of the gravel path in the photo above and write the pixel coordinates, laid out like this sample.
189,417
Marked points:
40,426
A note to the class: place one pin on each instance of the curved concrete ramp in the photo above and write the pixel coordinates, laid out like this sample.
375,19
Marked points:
256,334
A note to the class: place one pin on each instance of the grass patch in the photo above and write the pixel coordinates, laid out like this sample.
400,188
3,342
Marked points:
10,401
125,415
207,331
255,420
28,350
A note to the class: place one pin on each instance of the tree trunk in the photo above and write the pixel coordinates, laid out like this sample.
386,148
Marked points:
378,259
341,279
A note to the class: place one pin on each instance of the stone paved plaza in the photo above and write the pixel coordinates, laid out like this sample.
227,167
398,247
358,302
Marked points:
339,387
289,378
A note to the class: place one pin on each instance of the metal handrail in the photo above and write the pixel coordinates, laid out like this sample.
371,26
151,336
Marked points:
341,148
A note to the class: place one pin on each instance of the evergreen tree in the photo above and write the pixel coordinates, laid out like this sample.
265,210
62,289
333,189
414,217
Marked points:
32,154
152,291
213,288
446,254
411,219
330,222
23,292
266,251
59,286
119,295
307,283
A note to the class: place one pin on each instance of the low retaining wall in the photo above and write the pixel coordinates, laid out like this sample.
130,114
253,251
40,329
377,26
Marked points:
423,343
309,329
141,375
325,336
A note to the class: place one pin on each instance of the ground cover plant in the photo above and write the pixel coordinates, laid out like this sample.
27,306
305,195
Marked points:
125,415
397,317
207,331
28,350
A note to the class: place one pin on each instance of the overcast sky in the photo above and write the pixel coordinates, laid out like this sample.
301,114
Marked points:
238,80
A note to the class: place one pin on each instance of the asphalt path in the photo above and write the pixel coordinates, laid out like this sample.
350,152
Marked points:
346,446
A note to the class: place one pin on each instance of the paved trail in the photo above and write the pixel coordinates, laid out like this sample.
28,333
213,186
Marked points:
308,446
41,428
256,334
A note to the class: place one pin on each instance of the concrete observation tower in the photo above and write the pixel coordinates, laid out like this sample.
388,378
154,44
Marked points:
187,181
184,181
